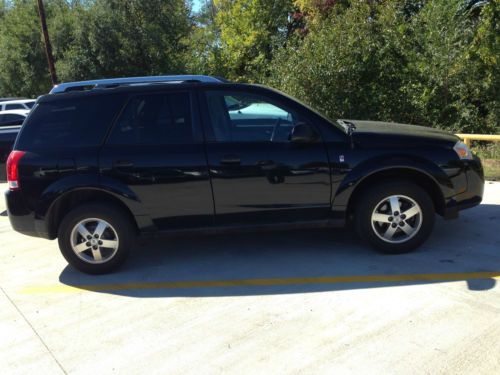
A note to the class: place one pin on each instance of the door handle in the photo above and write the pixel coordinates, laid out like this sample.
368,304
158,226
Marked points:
231,160
123,164
265,163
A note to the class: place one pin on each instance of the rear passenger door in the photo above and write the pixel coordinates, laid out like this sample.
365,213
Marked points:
156,149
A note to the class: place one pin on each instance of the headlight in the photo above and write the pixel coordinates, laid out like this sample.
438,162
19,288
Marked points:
462,151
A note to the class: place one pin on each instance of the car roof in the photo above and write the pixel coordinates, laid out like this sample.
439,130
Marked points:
8,99
18,101
23,112
132,81
148,88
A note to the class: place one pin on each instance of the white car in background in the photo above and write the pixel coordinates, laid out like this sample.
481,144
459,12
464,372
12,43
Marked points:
13,117
26,104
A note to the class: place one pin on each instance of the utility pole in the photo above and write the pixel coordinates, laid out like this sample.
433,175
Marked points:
48,47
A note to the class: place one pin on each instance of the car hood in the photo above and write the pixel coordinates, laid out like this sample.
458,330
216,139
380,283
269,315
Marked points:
376,130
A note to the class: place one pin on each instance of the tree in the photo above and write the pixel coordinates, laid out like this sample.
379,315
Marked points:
23,65
204,51
351,64
113,38
250,32
3,8
433,63
429,62
454,63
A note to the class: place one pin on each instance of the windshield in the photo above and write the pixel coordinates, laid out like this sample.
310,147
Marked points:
320,114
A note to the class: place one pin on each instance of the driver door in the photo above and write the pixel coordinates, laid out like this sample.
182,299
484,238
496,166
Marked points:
258,175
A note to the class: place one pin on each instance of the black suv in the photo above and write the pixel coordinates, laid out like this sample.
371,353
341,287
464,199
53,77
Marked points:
98,162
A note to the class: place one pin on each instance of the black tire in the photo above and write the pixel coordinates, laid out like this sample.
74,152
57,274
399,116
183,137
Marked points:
373,198
121,229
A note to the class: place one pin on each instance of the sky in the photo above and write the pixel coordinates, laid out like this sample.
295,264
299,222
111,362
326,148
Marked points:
197,5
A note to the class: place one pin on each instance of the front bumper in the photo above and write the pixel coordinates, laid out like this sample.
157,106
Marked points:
473,194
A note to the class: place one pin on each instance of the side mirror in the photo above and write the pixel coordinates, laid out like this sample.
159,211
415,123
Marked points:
303,133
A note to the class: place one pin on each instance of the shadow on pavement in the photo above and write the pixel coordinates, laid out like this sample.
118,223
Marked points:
166,266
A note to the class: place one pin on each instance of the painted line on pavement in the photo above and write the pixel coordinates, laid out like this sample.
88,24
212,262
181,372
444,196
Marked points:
110,287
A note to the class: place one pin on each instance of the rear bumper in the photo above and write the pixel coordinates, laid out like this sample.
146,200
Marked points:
3,176
21,218
472,196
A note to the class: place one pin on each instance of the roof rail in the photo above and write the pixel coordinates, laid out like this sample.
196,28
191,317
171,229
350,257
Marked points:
113,82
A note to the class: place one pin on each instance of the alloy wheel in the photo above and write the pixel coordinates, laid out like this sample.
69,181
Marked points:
94,241
396,219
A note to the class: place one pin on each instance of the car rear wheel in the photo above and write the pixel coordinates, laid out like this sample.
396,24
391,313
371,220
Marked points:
395,217
96,238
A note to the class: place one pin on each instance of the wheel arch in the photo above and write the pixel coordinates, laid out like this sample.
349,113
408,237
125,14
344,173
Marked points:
416,176
79,196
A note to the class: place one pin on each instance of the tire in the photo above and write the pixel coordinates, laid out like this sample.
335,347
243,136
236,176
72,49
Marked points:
104,253
390,231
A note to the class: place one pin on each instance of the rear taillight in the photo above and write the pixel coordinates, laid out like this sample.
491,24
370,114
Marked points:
13,169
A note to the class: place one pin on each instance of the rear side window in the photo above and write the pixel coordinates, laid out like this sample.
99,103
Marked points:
11,119
14,106
81,122
155,119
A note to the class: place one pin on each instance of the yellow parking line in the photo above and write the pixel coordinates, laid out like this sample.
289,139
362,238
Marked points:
61,288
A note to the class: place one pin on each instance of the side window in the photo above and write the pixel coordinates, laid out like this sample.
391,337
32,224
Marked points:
13,117
237,117
14,106
29,105
75,122
155,119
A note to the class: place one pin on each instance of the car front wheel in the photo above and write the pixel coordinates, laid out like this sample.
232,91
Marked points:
395,217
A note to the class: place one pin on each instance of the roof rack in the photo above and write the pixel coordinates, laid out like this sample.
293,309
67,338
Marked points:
114,82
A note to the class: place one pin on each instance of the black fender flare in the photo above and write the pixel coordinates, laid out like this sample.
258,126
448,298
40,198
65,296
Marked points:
371,167
62,188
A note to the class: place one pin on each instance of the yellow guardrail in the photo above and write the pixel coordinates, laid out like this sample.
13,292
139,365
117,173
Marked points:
478,137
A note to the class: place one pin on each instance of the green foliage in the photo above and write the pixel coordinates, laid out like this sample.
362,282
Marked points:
453,66
3,8
486,150
23,66
429,62
249,34
116,38
204,51
243,36
351,65
91,39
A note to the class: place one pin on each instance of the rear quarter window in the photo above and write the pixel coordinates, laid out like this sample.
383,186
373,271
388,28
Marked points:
11,119
80,122
14,106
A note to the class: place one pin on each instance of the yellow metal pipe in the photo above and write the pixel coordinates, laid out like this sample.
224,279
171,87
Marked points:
479,137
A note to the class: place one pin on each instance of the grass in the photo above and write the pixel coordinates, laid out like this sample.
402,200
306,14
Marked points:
490,156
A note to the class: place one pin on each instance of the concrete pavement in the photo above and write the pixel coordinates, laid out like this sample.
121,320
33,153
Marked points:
302,302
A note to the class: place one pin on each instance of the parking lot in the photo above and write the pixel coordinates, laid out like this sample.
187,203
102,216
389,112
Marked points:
305,302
